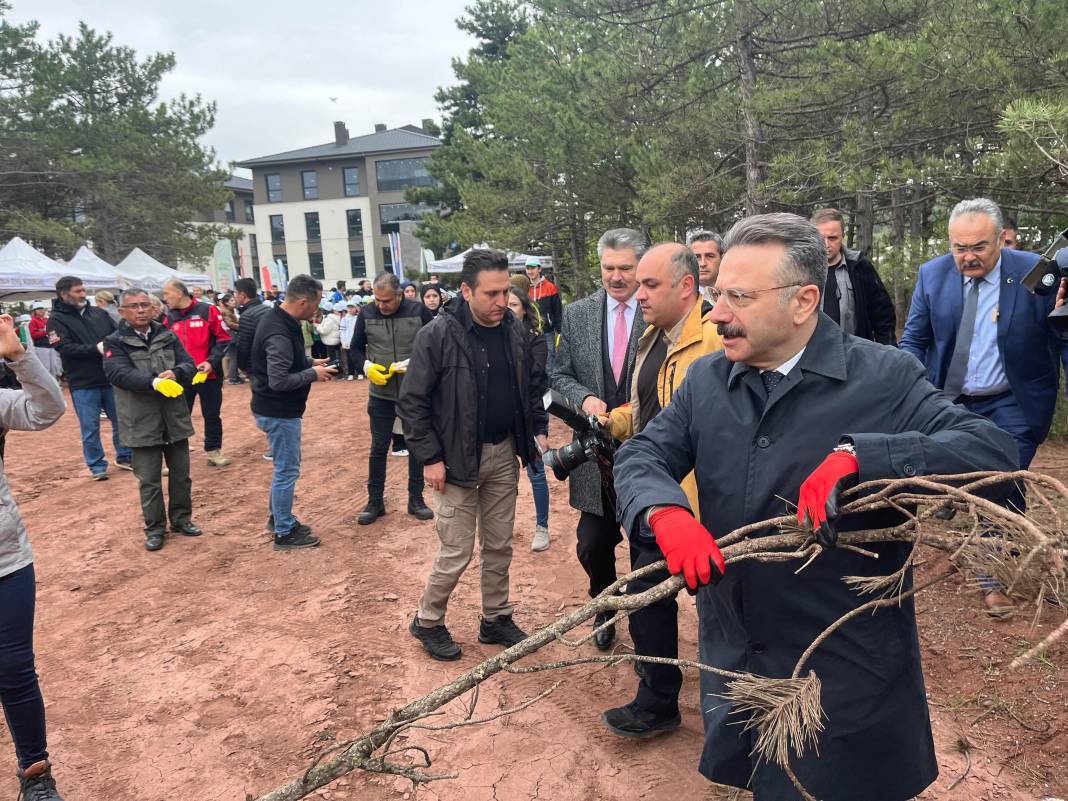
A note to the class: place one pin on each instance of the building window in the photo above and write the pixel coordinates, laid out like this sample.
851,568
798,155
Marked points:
395,212
351,177
315,264
387,259
278,228
309,180
396,174
236,253
274,187
249,216
228,210
355,222
359,264
311,224
253,251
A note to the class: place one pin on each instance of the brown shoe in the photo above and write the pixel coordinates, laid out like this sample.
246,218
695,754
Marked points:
36,783
216,459
998,605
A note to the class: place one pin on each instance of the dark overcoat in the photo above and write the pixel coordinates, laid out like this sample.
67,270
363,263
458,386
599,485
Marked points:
578,372
750,460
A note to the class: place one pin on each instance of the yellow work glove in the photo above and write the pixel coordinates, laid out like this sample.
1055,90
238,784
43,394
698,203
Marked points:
167,387
379,375
200,378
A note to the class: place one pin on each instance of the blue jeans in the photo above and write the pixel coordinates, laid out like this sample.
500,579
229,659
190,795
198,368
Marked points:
536,474
87,405
283,439
19,690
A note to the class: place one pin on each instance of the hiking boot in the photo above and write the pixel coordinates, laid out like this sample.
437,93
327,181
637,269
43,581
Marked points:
371,512
501,631
297,526
216,459
418,509
541,539
636,723
153,540
36,783
299,537
436,640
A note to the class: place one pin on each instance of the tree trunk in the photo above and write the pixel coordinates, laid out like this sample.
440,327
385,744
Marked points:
865,220
897,274
753,137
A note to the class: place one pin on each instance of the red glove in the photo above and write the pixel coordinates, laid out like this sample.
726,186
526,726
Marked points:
817,503
688,546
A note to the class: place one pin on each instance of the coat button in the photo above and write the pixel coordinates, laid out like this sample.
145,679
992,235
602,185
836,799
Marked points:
908,470
763,442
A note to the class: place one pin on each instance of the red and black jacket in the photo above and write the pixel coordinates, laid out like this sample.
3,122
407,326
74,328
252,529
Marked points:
545,294
200,328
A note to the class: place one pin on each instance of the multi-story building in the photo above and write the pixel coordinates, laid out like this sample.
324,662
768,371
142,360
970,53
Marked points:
327,210
236,213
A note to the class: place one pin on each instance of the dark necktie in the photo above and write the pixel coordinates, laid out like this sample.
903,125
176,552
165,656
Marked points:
958,365
771,379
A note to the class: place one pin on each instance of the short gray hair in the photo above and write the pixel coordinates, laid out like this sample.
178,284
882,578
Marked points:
684,263
701,235
806,254
132,292
179,285
623,239
387,281
979,205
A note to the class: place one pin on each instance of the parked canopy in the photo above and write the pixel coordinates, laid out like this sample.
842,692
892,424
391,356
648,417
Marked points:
25,273
141,270
516,261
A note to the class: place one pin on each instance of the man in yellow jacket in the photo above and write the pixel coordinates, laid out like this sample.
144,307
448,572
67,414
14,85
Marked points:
678,333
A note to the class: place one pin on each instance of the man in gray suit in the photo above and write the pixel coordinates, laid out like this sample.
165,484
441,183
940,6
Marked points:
594,362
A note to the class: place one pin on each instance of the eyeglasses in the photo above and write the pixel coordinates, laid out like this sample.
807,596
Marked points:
137,306
738,299
978,249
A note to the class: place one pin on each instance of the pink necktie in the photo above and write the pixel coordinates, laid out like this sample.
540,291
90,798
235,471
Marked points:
619,346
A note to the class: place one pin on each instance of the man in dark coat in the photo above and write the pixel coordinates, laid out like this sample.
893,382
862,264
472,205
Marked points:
796,409
76,331
593,369
150,371
854,295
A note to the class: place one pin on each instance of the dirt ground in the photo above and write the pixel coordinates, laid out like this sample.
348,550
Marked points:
218,667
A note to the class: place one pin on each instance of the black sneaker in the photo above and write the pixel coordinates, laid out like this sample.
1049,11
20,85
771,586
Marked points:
297,526
153,540
418,509
295,539
436,640
636,723
36,783
502,631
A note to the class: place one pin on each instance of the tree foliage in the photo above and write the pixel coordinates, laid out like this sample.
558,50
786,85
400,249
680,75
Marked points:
90,153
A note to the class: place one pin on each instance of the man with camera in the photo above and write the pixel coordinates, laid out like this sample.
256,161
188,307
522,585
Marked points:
470,404
593,369
677,334
985,339
382,342
799,411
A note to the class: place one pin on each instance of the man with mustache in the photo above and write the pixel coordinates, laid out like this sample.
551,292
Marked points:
677,333
795,411
594,364
984,338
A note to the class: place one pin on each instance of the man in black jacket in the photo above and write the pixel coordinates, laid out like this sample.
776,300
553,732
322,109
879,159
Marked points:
382,342
854,295
470,404
249,310
150,370
281,381
76,331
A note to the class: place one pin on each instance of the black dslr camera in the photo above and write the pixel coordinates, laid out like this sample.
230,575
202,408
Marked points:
1045,277
592,442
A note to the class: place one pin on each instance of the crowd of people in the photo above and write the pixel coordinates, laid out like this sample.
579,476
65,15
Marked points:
736,373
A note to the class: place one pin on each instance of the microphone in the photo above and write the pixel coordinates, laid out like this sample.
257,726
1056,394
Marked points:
1045,276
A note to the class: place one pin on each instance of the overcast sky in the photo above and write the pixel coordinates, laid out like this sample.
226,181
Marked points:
273,66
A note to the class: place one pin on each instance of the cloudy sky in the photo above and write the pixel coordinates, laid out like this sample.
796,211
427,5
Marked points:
273,66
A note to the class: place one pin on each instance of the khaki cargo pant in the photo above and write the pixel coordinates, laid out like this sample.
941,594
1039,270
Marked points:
491,506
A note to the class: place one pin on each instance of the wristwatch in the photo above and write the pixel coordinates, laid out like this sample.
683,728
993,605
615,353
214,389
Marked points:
846,446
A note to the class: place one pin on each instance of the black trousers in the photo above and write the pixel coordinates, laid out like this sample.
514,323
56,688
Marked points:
210,394
382,413
655,632
596,548
148,467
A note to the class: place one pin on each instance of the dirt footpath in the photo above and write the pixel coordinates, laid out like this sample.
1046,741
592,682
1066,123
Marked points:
218,667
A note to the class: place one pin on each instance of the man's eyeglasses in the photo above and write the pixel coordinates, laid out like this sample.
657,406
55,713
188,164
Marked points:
978,249
739,299
137,306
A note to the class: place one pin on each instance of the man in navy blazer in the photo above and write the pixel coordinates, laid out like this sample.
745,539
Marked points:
1008,371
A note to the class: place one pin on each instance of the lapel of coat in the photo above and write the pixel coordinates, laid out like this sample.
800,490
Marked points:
596,343
1010,281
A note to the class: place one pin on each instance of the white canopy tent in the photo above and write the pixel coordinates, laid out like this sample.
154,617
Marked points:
93,270
25,273
516,261
141,270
